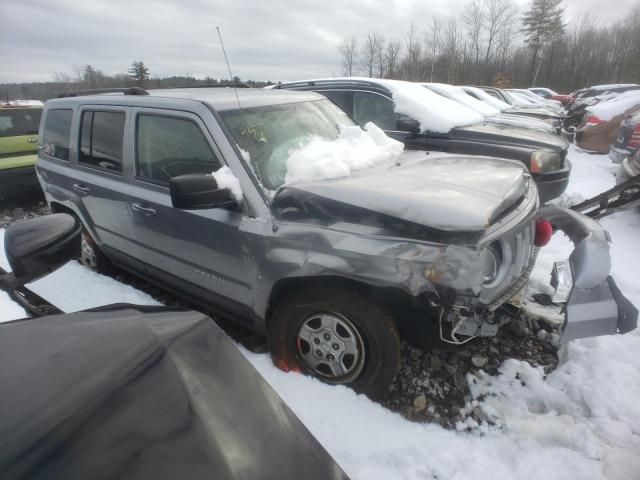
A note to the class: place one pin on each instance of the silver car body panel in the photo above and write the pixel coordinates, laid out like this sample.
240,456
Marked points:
594,304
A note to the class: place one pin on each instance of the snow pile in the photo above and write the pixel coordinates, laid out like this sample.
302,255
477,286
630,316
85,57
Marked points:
226,179
71,288
354,149
606,110
457,94
488,99
434,112
519,99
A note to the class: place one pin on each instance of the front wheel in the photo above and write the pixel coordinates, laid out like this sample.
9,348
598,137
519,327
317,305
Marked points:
337,335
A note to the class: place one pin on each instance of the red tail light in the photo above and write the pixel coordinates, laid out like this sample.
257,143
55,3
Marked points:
592,121
544,231
634,142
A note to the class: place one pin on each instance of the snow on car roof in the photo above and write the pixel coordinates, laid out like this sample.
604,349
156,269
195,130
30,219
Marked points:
434,112
607,109
457,94
486,98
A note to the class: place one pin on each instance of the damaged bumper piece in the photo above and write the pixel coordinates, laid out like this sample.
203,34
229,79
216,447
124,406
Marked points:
593,303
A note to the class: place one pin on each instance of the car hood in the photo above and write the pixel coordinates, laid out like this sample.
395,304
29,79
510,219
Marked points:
533,110
522,121
488,132
435,190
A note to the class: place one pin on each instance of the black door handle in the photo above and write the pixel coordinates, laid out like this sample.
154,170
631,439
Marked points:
78,187
143,210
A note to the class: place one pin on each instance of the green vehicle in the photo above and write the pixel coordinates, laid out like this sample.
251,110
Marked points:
18,148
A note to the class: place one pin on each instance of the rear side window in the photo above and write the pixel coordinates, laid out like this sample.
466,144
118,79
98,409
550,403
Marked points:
168,147
342,99
18,122
57,129
370,107
101,140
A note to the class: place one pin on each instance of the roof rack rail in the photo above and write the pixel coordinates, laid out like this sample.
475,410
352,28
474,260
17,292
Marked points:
327,81
97,91
218,85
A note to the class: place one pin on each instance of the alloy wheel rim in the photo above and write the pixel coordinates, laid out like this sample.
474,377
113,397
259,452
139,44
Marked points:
87,252
331,347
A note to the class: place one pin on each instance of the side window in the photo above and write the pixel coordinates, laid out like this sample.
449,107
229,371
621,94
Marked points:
371,107
57,129
18,122
167,147
341,98
101,140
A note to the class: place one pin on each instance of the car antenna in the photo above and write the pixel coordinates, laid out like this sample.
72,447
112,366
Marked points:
235,90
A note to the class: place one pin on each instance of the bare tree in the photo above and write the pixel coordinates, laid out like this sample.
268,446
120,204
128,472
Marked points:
473,20
371,52
434,42
413,53
498,18
349,51
392,57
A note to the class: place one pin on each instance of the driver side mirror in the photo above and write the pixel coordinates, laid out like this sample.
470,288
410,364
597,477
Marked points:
407,124
38,246
197,191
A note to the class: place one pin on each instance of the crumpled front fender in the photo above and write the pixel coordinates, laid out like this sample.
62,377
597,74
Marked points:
594,304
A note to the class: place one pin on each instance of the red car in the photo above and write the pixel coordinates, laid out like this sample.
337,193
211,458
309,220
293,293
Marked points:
552,95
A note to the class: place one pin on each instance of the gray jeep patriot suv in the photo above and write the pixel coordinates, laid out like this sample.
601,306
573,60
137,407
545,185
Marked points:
332,271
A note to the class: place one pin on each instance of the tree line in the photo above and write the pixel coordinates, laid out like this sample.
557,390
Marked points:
493,43
87,77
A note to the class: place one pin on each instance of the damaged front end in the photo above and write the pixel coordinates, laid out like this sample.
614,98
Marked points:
593,304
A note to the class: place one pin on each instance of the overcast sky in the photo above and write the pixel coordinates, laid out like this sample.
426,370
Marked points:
265,40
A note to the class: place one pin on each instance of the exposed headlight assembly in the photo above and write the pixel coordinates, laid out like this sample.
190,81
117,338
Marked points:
542,161
492,259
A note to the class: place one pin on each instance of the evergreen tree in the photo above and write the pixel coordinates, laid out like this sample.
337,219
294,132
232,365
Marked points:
138,72
541,24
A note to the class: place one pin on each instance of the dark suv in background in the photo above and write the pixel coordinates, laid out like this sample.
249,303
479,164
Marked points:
371,100
187,188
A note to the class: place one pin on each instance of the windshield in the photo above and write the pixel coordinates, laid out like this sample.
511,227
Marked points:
267,135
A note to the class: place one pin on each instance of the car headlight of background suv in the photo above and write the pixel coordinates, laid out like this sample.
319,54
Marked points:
542,161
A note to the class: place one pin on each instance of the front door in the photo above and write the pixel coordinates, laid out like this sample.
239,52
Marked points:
199,252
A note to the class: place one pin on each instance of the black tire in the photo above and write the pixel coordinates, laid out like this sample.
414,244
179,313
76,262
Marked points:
97,261
373,325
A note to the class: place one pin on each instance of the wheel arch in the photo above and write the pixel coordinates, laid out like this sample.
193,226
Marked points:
408,311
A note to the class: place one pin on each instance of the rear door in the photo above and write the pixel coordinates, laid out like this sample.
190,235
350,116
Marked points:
100,180
199,252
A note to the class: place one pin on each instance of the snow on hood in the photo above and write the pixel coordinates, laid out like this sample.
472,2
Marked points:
354,149
607,109
226,179
488,99
457,94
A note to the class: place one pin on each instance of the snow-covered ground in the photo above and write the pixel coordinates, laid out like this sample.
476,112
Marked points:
582,421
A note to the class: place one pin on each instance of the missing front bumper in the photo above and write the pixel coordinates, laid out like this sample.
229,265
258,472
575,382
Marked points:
594,304
601,310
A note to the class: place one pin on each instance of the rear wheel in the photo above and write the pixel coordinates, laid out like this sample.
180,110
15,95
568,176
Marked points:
337,335
91,256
